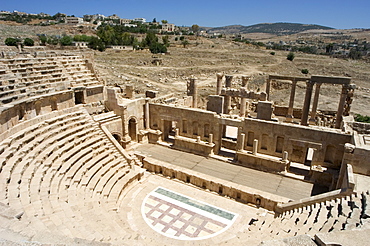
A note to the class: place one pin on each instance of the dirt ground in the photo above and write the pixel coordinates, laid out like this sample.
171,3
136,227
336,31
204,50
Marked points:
206,57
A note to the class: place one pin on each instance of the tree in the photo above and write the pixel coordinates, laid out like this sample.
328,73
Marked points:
96,44
154,20
28,42
156,48
185,43
166,40
53,40
66,40
329,48
149,39
195,29
12,41
164,21
355,54
43,39
290,56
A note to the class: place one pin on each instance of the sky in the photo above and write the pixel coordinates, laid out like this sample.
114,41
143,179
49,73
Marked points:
340,14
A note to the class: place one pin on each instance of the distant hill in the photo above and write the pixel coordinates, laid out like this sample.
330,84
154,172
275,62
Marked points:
271,28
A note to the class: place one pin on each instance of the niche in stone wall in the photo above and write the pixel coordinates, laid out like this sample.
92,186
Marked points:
250,139
53,104
21,113
37,107
330,154
206,130
279,144
264,141
184,126
79,97
195,128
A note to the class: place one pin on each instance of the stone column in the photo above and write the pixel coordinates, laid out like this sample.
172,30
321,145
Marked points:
241,142
147,125
227,102
307,102
255,146
193,91
228,80
210,138
125,132
268,86
315,103
285,156
289,117
219,83
243,106
129,91
343,97
245,80
164,133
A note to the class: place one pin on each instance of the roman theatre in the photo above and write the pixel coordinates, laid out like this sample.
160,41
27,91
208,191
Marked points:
90,164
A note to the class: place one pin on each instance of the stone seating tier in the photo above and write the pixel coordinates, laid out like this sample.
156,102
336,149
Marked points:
19,77
65,175
336,215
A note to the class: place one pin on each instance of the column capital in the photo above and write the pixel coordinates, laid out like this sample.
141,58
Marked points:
245,80
219,75
310,83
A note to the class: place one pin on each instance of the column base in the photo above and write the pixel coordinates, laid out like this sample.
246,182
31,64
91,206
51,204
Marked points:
312,122
289,118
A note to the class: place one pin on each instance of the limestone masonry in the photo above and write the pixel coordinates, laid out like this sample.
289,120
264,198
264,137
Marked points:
85,163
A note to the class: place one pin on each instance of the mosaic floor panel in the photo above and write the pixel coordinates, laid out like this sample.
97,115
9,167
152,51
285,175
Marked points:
181,217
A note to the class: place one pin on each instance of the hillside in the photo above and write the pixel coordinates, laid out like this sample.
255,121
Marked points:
271,28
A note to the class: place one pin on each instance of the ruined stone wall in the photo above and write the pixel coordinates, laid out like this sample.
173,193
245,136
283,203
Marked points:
275,138
190,122
14,113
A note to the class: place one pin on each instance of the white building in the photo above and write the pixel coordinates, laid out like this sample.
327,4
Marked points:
168,27
74,20
142,20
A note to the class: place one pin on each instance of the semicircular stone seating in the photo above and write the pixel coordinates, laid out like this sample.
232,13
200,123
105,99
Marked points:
65,175
62,176
21,78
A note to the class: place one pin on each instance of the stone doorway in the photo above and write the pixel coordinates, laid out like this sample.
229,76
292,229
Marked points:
229,141
132,124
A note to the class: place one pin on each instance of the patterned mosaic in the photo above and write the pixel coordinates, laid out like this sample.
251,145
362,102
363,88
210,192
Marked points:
181,217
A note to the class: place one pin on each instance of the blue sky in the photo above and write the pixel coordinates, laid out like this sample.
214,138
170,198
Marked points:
334,13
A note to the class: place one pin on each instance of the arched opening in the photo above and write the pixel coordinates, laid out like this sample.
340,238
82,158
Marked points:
132,129
21,113
117,137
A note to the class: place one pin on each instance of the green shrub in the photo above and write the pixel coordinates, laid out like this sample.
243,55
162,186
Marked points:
28,42
12,41
305,71
96,44
272,53
362,118
66,41
290,56
156,48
